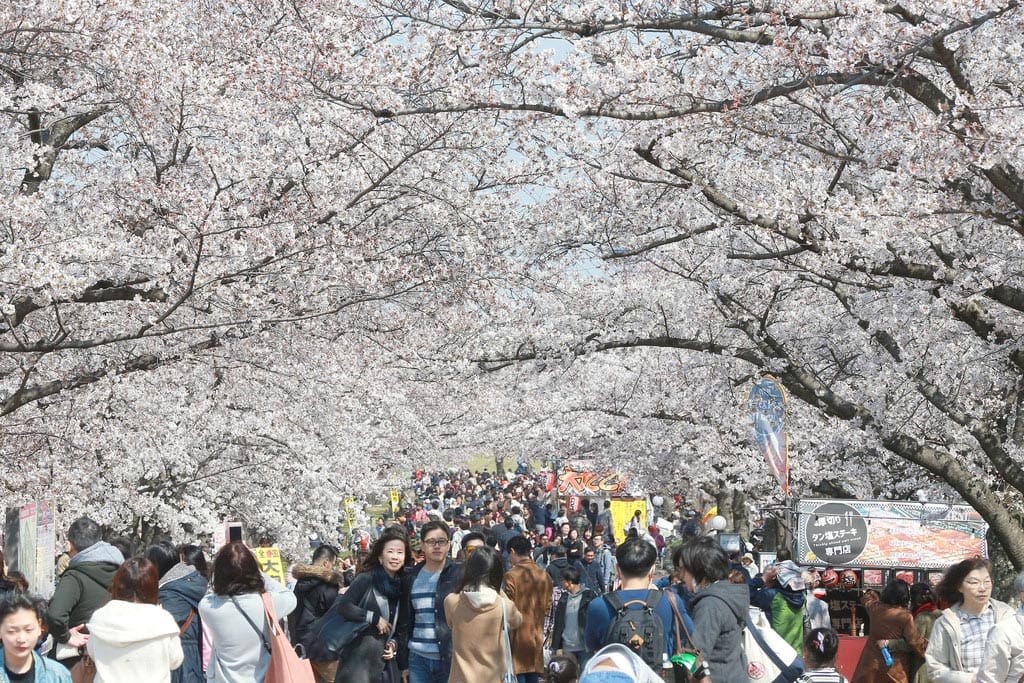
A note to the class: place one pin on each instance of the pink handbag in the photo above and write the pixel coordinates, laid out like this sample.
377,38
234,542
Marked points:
285,664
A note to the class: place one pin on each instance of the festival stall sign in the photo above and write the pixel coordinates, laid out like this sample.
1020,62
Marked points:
584,483
29,545
884,534
270,563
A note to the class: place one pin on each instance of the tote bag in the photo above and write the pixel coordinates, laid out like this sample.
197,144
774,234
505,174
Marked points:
770,659
285,665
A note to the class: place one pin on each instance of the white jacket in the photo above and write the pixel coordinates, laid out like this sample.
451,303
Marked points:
1004,652
943,654
133,642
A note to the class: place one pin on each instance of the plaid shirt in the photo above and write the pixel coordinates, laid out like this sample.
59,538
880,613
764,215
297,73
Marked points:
973,636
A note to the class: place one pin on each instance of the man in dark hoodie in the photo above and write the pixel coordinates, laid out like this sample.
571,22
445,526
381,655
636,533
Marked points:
83,587
557,564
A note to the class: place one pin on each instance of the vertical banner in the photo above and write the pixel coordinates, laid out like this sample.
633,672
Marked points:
395,498
767,402
29,545
45,580
574,505
350,512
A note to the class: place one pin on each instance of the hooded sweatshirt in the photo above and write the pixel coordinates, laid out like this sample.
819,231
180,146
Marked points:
478,645
82,588
718,613
620,659
133,642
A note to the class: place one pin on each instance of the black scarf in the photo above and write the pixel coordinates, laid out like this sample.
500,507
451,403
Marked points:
387,585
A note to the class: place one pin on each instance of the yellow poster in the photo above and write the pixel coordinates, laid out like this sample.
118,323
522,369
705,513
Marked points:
622,512
395,497
270,563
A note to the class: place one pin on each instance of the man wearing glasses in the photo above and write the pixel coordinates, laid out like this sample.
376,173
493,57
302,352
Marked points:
428,656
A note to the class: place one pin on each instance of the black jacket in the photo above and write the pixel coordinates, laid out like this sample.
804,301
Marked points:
560,610
554,570
451,575
590,575
315,591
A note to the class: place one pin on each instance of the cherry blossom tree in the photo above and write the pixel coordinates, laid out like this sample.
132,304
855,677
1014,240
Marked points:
319,243
828,192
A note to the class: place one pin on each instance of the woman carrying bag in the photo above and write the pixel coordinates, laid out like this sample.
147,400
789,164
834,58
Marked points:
373,599
236,603
480,617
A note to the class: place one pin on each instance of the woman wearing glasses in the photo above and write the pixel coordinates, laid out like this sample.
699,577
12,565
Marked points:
958,637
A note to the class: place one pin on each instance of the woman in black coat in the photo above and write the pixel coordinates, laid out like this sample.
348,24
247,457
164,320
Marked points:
373,598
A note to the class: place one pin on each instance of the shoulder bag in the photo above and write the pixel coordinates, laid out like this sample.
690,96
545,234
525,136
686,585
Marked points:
686,661
391,674
769,657
330,636
285,665
510,670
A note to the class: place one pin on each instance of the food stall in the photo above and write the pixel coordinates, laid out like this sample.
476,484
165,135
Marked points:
878,540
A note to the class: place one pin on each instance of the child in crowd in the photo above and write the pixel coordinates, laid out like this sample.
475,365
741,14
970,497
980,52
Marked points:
563,669
820,647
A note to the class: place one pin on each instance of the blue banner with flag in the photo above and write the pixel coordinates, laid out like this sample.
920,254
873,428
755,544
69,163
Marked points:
767,401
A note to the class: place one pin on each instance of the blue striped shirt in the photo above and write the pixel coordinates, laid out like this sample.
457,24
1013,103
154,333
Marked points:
424,629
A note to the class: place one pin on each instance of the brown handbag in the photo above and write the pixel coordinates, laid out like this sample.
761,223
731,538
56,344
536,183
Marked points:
685,660
84,670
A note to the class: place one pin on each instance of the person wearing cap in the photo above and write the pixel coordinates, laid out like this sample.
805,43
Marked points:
748,565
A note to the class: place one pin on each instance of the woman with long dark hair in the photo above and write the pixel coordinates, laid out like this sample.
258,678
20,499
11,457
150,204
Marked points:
474,614
373,598
890,619
132,638
182,588
959,635
233,616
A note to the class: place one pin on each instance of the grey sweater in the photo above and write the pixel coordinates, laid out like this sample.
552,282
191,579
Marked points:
238,654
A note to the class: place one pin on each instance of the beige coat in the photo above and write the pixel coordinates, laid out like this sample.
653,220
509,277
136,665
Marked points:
530,588
478,648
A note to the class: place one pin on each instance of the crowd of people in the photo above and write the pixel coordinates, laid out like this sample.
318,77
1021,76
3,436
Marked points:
482,580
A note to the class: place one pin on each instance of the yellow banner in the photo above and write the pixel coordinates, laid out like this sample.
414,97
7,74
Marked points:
270,563
622,512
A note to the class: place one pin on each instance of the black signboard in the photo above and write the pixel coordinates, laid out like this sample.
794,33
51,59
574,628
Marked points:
836,533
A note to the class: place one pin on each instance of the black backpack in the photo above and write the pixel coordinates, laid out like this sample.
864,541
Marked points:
641,630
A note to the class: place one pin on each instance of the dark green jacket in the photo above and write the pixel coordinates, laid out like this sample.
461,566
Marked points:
83,589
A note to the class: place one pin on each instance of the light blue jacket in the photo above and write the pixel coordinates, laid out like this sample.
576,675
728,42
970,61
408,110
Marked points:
47,670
